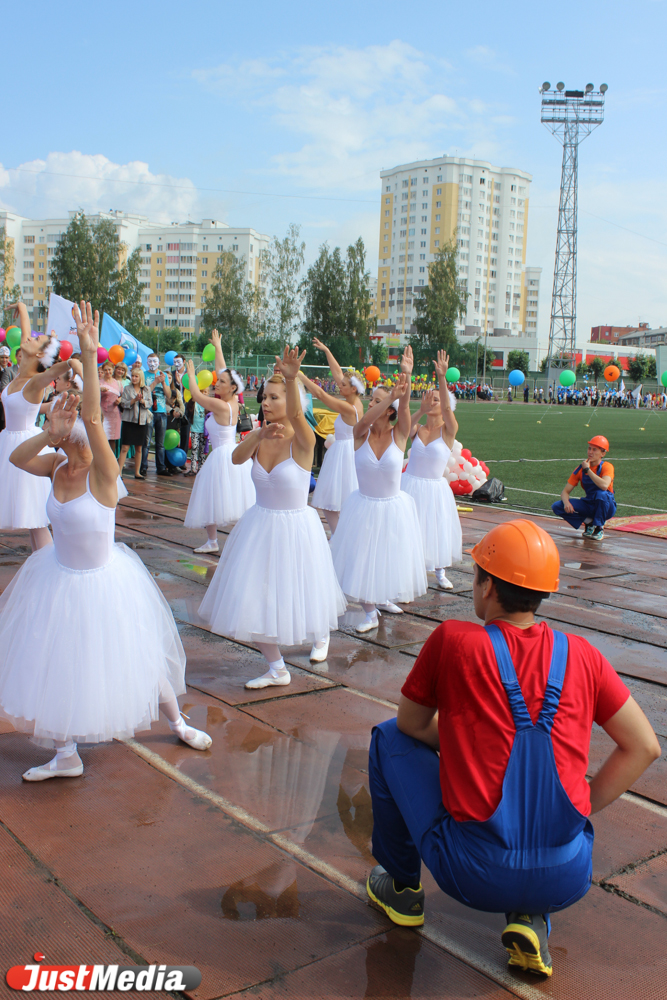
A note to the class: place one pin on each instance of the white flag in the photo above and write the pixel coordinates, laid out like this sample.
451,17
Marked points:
61,321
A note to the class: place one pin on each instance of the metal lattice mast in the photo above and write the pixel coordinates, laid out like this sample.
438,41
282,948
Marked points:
571,116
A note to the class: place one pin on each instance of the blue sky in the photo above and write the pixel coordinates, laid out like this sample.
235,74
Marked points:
263,114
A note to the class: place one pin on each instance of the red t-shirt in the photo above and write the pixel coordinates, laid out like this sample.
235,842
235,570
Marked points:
456,673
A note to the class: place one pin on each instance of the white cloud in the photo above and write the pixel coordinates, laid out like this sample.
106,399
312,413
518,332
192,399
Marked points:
342,113
49,188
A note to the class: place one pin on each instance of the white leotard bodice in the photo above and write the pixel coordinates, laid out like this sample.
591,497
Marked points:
343,431
285,487
379,478
83,529
428,461
219,435
20,415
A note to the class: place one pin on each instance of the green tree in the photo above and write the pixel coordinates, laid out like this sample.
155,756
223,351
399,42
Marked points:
652,369
379,353
638,367
596,368
231,306
89,264
582,369
168,339
281,266
470,356
544,364
518,360
440,304
338,305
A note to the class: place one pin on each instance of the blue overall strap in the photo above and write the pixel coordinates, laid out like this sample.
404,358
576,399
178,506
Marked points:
522,719
555,680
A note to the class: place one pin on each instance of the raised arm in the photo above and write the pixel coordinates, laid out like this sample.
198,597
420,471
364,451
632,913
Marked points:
336,403
20,313
451,427
373,413
220,365
27,455
216,406
336,369
304,436
104,468
34,389
424,407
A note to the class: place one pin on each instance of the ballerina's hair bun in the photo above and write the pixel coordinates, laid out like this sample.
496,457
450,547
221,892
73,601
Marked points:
356,382
50,353
236,378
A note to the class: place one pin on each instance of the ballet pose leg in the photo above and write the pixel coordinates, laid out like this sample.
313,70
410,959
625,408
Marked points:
277,675
169,705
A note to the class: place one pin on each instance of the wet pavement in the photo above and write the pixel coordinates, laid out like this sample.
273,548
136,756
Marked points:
249,860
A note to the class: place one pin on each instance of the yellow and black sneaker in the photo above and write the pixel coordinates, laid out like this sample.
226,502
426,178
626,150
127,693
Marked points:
405,908
526,940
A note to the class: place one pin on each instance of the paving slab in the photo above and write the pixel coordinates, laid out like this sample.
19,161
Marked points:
646,882
652,783
393,630
335,709
158,864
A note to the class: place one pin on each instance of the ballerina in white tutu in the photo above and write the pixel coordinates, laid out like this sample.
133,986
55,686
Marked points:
275,582
112,675
338,476
377,549
22,496
222,491
423,478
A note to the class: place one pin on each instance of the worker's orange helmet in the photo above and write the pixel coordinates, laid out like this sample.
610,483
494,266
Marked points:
520,552
600,441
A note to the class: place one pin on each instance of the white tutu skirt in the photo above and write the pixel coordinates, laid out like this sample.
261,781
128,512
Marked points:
22,496
377,549
222,491
84,653
275,581
337,478
439,520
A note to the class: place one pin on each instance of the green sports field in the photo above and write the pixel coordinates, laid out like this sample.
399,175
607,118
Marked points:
533,448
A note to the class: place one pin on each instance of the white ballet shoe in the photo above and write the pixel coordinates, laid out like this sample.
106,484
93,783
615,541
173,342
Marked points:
46,771
390,608
369,622
195,738
318,654
208,546
442,580
270,679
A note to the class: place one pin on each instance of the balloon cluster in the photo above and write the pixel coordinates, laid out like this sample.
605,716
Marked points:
465,473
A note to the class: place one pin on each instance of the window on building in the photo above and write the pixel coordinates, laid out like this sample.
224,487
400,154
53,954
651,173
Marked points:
423,243
413,181
405,184
28,239
438,190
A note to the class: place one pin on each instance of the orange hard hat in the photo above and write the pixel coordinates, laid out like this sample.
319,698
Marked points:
600,441
519,552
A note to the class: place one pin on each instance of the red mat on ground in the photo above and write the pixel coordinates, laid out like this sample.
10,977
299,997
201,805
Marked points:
641,524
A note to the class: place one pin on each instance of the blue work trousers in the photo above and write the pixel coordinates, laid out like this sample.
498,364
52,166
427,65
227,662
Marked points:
411,824
595,509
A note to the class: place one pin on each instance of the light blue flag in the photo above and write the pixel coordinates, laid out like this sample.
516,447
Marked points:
113,333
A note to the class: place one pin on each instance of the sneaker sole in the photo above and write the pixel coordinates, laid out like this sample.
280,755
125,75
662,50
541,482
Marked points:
523,947
402,919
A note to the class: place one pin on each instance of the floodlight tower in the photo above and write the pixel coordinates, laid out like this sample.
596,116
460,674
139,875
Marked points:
570,115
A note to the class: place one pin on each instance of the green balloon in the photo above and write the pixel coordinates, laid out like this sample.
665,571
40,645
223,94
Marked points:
13,337
172,439
452,374
567,377
664,378
12,356
185,382
208,354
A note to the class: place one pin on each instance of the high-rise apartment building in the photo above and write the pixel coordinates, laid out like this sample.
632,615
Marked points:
423,205
177,261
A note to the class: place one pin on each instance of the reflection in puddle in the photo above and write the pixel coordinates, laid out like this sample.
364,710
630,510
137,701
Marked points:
268,894
194,567
390,964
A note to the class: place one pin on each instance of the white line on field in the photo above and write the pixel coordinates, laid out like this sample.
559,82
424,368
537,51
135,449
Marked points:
542,494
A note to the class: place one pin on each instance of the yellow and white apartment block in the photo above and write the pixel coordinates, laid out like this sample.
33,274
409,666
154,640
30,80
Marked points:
177,261
426,204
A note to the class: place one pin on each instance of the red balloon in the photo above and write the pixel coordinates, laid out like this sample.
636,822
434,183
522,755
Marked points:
473,461
66,350
467,454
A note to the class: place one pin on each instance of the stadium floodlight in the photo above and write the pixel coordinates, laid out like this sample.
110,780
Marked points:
546,86
560,87
570,117
589,87
603,88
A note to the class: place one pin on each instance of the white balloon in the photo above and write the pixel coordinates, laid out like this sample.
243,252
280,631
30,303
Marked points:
467,467
452,477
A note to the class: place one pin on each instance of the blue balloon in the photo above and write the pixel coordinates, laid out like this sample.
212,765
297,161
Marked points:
517,377
130,358
177,457
169,358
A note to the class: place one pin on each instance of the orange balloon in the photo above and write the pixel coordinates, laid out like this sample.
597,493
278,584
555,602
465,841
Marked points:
215,377
116,354
372,374
612,373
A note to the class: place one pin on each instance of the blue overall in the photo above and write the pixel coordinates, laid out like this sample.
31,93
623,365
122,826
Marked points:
532,856
596,507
